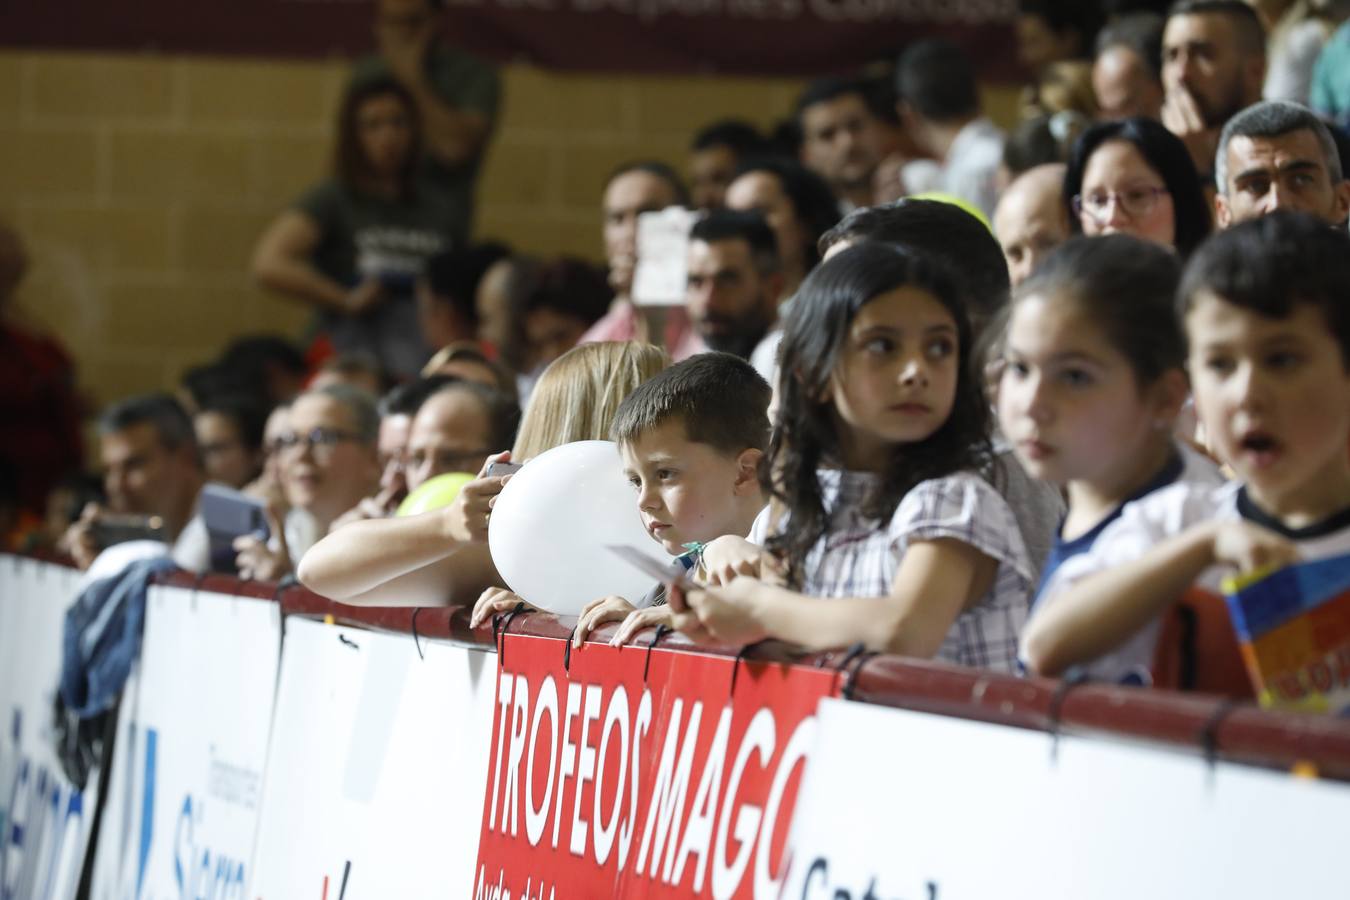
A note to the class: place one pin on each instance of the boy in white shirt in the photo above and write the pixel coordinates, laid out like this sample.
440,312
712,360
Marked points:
1266,306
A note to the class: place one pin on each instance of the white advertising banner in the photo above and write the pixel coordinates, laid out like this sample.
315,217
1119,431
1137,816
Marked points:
947,809
377,768
186,783
44,821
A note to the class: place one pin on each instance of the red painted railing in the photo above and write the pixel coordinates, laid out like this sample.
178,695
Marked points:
1209,725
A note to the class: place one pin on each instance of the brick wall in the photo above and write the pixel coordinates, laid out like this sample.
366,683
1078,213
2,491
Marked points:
140,183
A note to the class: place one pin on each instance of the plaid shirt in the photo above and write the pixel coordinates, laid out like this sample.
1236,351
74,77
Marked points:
858,557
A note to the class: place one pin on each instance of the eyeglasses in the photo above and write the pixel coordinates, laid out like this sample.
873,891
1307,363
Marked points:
320,440
1137,202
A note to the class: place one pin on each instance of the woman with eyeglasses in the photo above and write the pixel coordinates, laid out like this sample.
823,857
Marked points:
1135,177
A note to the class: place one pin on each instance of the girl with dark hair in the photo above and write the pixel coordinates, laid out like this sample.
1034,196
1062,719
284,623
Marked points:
1092,385
877,473
1135,176
797,204
354,245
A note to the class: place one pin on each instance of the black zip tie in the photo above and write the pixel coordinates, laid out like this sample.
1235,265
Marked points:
283,585
505,623
1188,650
346,870
349,642
1075,677
1209,732
417,641
859,653
567,649
661,631
736,667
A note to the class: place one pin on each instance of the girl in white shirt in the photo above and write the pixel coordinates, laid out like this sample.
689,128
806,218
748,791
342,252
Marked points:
1092,383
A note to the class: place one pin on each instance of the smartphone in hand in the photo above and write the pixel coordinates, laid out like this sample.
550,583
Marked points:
116,528
230,514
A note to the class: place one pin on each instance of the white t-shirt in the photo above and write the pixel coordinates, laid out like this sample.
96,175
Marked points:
1167,513
968,171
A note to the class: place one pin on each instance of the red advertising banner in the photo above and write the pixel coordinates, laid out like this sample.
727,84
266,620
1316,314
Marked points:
608,781
748,37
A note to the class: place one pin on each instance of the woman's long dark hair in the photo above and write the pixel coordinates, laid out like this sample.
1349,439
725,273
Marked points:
350,164
1165,154
805,437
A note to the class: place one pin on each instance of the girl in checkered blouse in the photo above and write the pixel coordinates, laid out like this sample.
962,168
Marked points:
883,528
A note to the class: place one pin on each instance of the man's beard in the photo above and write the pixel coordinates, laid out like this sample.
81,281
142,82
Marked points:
740,339
1217,114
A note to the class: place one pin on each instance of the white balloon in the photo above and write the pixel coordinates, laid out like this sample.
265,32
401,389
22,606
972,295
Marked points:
551,524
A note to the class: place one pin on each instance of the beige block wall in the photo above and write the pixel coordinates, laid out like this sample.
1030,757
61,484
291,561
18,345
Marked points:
140,183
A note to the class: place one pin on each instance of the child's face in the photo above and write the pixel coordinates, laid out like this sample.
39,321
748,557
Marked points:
1274,397
895,382
1069,402
686,491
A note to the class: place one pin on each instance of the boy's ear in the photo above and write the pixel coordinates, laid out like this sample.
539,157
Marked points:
747,470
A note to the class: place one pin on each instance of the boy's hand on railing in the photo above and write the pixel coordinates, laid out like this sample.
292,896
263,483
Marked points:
492,601
729,557
640,620
597,613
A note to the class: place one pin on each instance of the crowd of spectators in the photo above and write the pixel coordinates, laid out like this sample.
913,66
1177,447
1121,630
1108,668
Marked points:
1156,145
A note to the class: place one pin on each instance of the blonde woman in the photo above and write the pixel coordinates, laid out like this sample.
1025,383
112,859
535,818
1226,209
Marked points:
441,558
579,393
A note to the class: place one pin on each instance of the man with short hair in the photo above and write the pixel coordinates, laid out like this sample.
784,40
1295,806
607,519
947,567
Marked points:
456,428
716,153
734,280
946,233
396,409
1127,70
447,293
152,468
1278,155
633,189
940,105
1031,219
1214,64
842,140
